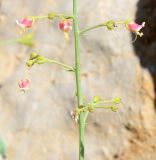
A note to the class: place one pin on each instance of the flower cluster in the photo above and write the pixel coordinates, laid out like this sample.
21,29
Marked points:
64,25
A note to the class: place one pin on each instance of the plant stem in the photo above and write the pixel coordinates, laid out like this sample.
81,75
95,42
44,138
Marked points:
92,27
8,42
38,17
105,24
78,81
65,66
59,15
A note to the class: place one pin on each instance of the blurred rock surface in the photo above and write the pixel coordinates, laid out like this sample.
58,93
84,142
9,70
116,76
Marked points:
37,125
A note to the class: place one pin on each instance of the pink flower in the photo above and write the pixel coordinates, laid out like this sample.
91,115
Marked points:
25,23
65,25
24,84
134,27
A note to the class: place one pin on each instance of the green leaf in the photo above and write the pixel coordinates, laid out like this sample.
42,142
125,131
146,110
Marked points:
2,148
27,40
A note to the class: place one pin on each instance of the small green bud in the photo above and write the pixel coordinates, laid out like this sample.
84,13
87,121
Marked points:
117,100
90,109
127,21
96,99
41,60
110,25
33,56
114,108
81,106
52,15
30,63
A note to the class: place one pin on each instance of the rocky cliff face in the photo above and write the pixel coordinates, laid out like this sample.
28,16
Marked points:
37,125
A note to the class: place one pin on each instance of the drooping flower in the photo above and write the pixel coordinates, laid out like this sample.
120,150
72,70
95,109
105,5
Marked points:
25,22
65,25
24,84
134,27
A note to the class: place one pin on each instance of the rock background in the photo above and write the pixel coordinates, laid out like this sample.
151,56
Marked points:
37,125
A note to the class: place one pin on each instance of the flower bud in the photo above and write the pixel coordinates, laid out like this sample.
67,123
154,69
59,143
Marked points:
110,25
33,56
24,84
30,63
65,25
114,108
41,60
25,22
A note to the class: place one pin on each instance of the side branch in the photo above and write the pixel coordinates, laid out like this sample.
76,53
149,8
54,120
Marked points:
109,24
38,59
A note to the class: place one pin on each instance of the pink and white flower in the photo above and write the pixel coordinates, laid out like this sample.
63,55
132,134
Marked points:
134,27
24,84
25,22
65,25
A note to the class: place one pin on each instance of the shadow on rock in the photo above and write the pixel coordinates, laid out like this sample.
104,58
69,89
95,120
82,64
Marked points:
145,47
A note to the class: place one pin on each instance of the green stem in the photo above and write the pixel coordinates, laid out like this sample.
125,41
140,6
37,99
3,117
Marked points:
106,24
65,66
106,107
38,17
59,15
65,16
92,27
8,42
78,81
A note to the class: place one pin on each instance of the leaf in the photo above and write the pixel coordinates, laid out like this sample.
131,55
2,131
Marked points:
27,40
2,148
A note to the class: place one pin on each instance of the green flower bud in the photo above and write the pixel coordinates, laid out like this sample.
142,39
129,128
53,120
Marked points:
90,109
52,15
96,99
41,60
33,56
117,100
30,63
110,25
114,108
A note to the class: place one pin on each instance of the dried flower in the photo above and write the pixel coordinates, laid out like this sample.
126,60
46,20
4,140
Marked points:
24,84
74,115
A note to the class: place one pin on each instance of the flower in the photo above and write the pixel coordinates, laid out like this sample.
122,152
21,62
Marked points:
25,22
65,25
134,27
24,84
